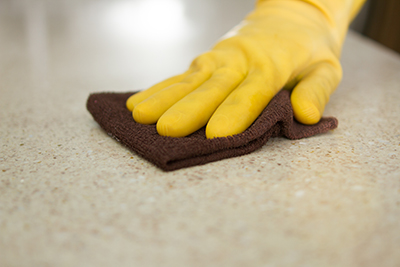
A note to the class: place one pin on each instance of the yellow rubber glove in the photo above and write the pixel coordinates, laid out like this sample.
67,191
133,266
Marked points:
291,44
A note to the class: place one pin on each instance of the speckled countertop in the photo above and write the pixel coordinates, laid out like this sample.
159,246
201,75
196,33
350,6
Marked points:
72,196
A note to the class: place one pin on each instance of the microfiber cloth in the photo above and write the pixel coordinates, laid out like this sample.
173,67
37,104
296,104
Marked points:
172,153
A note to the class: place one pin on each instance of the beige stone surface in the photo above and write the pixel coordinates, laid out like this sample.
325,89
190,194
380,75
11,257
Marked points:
72,196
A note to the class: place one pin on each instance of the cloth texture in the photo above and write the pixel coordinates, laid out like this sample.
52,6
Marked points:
172,153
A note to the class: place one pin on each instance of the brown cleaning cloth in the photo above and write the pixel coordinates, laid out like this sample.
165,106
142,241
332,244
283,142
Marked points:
171,153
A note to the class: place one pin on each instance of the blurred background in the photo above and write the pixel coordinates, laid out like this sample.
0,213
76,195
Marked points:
131,44
380,21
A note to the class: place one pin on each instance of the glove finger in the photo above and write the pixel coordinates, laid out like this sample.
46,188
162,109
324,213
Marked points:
194,110
203,63
150,109
310,96
243,105
139,97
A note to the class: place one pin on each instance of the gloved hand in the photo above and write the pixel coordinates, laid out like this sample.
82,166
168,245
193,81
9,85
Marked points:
291,44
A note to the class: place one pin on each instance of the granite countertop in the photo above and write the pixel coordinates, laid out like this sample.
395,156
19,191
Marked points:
72,196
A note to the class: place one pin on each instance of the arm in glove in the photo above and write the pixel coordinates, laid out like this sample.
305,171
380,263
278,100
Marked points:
291,44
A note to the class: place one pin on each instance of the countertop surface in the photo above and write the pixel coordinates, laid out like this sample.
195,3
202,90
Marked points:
72,196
